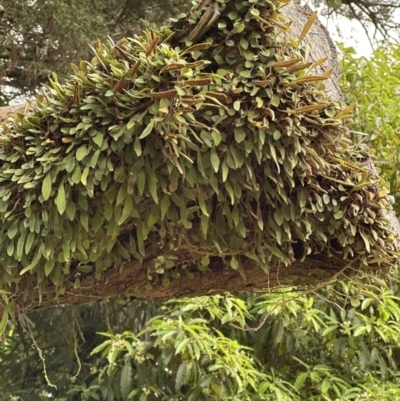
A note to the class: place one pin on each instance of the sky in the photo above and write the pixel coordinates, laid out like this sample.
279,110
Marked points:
351,33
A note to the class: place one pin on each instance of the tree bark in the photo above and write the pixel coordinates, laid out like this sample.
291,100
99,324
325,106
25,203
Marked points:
6,112
131,278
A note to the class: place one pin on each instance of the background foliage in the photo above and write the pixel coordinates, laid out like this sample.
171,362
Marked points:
38,37
374,86
339,343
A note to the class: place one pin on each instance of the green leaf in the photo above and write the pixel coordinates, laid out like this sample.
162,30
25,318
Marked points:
12,231
121,194
214,160
70,165
359,331
202,204
338,215
240,134
216,136
329,330
137,147
29,242
34,262
126,380
98,139
3,322
84,219
141,181
263,387
301,378
278,217
164,205
180,375
81,152
204,224
46,187
20,244
366,239
152,182
182,345
102,346
76,175
205,260
234,263
240,27
70,209
84,175
128,206
48,267
147,130
326,384
61,200
365,303
225,171
85,268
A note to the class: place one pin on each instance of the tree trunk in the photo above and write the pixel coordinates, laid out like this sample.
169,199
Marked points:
131,278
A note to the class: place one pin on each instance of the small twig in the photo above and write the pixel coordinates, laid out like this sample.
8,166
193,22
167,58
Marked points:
40,353
75,323
211,14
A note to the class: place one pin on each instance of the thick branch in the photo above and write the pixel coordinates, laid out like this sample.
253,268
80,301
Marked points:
132,279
